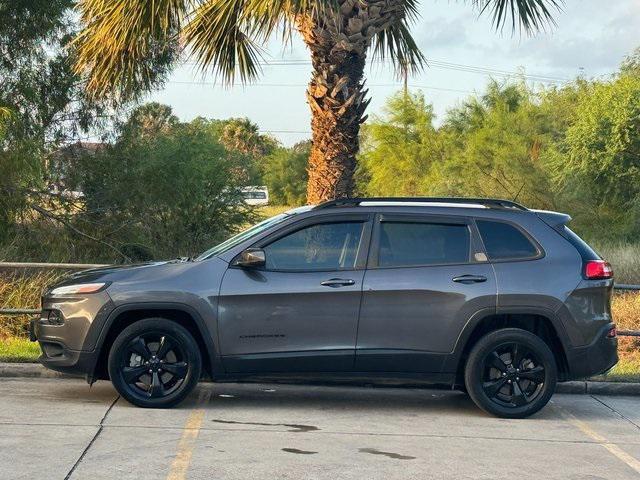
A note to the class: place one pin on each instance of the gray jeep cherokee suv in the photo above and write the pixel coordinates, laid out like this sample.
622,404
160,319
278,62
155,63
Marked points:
483,295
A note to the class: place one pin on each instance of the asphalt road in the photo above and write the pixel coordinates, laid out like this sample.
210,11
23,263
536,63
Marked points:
56,429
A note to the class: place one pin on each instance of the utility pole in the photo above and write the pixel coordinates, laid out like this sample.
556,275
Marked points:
405,75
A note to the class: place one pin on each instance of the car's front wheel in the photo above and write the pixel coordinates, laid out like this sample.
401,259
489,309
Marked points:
154,363
511,373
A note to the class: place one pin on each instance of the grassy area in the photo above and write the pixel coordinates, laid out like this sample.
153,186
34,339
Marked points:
18,350
627,370
625,259
271,210
22,291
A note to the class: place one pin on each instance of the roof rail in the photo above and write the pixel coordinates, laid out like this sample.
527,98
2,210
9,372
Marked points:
486,202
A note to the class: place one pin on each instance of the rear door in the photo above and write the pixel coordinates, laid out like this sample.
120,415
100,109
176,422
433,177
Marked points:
300,312
427,275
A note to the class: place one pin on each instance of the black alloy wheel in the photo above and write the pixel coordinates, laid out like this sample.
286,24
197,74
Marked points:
511,373
154,363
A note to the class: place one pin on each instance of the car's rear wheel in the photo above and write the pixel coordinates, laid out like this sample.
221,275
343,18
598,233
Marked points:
154,363
511,373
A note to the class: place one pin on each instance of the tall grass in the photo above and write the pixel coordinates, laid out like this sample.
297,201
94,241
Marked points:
625,259
22,290
626,314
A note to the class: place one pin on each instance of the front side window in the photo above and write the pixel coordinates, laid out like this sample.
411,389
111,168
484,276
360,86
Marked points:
413,244
325,246
503,241
243,236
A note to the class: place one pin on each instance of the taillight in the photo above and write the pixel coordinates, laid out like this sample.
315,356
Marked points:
597,269
613,332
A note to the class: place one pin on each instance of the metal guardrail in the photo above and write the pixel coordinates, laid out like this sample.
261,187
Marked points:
629,333
19,311
37,265
60,266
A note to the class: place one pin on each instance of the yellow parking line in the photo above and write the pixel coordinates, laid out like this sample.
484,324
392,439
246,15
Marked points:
191,429
611,447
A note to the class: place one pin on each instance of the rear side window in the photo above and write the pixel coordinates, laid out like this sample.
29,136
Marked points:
503,241
410,244
586,252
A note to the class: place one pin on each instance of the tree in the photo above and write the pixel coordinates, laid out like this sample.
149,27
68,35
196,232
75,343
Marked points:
226,36
41,101
148,121
400,148
496,146
241,137
285,174
167,193
631,63
597,165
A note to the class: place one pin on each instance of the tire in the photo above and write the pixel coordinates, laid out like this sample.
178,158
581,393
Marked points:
507,388
154,363
462,389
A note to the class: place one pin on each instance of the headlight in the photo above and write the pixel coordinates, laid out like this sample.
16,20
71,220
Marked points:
79,288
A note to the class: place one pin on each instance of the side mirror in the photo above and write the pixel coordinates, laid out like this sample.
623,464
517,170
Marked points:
251,258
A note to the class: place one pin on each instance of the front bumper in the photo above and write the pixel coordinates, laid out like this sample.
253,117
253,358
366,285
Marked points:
56,355
593,359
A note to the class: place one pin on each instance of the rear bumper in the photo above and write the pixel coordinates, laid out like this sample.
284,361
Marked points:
595,358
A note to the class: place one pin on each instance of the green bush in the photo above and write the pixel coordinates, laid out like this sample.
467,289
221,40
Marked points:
285,174
170,191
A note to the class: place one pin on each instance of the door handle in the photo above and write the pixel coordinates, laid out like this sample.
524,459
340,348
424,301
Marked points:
337,282
467,279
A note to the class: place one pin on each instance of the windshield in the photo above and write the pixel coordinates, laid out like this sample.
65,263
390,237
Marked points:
242,236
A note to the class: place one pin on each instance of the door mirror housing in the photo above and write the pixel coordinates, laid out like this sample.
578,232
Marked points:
251,258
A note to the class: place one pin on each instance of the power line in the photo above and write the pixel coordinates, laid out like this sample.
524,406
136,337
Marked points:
296,85
286,131
433,63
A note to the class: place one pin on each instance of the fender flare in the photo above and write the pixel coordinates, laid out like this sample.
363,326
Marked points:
215,364
452,363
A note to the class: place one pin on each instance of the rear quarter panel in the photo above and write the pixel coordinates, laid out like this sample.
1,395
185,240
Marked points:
541,285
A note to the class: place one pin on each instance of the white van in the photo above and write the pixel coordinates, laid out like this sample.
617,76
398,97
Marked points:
255,195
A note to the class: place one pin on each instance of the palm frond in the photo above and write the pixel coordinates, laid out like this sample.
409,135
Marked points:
269,16
227,35
530,15
221,37
5,112
396,44
127,45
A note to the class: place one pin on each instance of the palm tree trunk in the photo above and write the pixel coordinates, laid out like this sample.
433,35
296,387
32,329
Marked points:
336,96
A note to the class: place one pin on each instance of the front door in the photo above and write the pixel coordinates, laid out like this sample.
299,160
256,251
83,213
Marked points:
427,277
299,313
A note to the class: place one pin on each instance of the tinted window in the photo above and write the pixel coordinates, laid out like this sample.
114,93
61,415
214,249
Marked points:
586,252
254,195
504,241
406,244
326,246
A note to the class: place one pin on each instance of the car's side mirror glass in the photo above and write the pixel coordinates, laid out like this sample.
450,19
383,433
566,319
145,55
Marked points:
251,258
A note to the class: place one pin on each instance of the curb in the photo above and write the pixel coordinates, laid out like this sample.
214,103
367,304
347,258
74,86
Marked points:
35,370
599,388
30,370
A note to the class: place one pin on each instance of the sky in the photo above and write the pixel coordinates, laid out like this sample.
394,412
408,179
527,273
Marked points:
591,38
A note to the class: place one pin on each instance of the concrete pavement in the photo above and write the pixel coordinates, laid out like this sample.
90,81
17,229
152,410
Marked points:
61,428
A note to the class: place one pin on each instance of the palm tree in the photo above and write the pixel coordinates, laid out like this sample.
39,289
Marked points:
124,41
